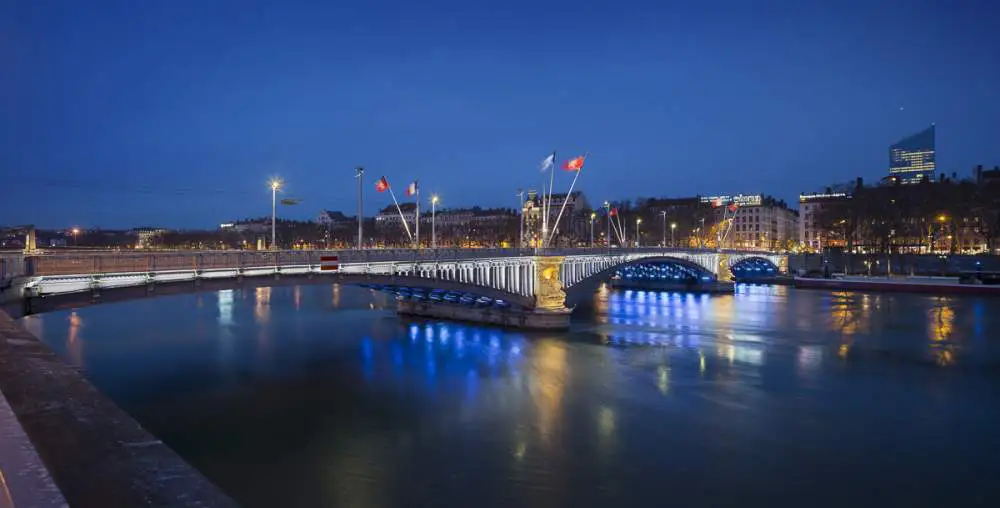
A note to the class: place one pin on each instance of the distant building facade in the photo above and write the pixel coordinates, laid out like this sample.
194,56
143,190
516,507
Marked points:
335,220
912,159
813,234
760,223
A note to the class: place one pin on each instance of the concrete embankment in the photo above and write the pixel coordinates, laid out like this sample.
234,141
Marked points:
96,453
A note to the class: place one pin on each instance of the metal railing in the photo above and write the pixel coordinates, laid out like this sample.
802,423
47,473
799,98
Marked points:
74,263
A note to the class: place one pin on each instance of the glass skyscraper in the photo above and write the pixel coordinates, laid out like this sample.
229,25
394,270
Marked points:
912,158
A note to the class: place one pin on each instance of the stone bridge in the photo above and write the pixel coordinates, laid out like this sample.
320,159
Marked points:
522,281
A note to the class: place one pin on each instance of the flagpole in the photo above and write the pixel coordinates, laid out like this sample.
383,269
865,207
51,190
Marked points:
544,225
520,204
621,230
416,192
400,210
570,193
552,177
613,225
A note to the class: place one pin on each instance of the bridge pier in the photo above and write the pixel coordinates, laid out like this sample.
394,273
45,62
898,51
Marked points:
724,273
541,279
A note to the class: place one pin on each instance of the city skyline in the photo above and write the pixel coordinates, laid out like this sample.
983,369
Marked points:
129,125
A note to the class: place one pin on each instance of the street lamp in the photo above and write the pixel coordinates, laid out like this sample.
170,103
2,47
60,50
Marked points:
275,184
637,222
664,215
701,234
607,208
434,201
593,215
75,231
673,226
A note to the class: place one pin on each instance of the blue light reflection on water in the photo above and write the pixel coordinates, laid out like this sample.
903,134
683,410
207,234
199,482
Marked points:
316,396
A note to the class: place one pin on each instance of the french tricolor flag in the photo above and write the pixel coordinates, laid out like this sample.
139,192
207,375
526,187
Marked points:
411,189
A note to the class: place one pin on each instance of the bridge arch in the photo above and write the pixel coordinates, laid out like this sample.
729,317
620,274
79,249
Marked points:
581,277
754,266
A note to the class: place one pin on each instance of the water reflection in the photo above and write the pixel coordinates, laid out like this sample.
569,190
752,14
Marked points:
225,300
345,405
262,307
941,326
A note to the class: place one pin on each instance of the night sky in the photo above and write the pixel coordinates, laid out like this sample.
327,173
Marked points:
175,113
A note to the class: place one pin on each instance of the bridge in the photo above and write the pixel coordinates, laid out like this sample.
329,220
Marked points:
517,287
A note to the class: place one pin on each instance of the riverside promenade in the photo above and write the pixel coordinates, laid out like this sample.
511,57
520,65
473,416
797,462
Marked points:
64,443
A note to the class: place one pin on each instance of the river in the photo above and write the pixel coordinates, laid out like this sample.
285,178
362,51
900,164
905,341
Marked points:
321,396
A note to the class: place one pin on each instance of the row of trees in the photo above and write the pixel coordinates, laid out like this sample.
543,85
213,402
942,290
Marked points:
946,215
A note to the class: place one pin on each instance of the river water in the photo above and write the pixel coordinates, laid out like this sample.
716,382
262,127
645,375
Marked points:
322,396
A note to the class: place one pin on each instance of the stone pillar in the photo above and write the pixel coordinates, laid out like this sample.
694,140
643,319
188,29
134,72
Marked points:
724,273
549,294
783,264
29,241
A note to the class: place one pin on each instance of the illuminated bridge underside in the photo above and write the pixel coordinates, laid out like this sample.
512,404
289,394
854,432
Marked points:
754,267
482,277
578,269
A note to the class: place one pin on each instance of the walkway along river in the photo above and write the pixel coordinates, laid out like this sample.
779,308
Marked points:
323,396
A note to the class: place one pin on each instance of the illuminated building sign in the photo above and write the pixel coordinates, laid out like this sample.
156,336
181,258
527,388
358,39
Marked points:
810,197
739,199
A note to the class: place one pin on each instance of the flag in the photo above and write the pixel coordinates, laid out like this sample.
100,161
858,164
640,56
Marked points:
548,162
411,189
382,185
733,207
290,201
613,212
716,203
575,164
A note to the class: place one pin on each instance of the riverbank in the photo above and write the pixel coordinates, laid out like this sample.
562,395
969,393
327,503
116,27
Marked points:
933,285
95,452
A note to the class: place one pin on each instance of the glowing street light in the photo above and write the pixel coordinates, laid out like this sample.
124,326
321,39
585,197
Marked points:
434,200
75,231
663,241
673,226
637,222
275,184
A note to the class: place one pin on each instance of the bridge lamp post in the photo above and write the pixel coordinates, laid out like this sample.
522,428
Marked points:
275,184
75,231
607,208
434,201
593,215
673,226
638,221
664,215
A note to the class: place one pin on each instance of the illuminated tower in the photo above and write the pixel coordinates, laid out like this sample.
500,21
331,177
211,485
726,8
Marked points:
912,158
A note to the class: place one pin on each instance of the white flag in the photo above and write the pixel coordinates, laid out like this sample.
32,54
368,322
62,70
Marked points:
548,162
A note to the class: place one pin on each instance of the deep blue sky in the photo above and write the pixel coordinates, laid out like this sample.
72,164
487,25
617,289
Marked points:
175,113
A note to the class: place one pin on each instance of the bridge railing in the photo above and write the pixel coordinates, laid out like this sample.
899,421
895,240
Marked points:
75,263
131,262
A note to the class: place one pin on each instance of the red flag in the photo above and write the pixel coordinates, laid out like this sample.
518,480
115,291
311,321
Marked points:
613,212
411,189
733,207
382,185
575,164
